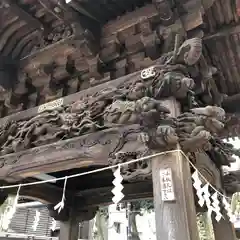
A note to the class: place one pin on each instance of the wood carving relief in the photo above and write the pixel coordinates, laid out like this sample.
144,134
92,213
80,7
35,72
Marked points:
118,121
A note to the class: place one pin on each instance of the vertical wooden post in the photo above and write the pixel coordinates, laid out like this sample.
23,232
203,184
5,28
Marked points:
69,229
175,220
84,230
223,229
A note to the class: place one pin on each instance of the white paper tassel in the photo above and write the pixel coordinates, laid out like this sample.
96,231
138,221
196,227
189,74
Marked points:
206,196
232,217
60,205
36,221
198,186
118,187
215,206
53,225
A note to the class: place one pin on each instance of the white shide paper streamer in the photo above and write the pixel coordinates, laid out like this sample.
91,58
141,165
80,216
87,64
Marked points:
118,187
60,205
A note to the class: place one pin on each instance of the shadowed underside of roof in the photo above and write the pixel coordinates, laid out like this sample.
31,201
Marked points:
28,25
222,43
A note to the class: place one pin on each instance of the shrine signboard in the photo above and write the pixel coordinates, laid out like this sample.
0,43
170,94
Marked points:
166,183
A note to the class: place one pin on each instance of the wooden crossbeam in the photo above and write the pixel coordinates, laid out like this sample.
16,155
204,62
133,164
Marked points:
88,150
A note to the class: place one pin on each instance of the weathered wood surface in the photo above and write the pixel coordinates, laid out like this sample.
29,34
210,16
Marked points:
44,193
133,99
136,117
89,150
208,169
67,45
175,219
72,98
224,229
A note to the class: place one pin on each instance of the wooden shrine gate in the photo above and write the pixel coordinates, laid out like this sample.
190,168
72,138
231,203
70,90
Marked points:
148,85
134,125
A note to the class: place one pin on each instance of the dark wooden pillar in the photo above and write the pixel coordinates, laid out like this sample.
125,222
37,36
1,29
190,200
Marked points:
84,230
69,229
174,219
224,229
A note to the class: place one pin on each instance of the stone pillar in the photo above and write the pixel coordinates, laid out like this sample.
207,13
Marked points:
175,219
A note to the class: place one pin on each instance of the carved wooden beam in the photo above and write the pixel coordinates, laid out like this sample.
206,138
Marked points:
110,87
100,145
89,150
93,110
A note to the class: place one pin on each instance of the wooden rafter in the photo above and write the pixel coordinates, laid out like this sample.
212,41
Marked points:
23,15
